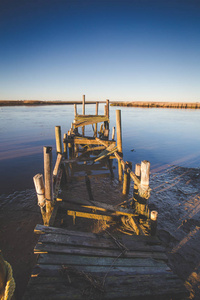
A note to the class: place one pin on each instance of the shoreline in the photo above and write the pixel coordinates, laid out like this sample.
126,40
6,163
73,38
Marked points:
145,104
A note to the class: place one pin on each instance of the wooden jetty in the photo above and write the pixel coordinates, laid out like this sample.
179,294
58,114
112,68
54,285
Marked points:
108,264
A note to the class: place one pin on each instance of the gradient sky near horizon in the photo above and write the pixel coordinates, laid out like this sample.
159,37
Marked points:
129,50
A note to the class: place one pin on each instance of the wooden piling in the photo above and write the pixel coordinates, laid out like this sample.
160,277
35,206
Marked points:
119,142
65,146
96,124
48,177
58,139
83,128
126,181
107,108
75,110
40,191
145,173
119,131
138,170
113,133
83,105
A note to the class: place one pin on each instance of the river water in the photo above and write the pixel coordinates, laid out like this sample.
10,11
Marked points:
162,136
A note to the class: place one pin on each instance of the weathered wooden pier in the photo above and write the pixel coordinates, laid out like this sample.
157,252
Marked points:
109,264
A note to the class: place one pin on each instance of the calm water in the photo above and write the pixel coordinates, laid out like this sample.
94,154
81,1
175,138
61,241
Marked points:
162,136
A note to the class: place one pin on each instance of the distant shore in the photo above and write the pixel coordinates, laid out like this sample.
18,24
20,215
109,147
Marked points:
41,102
184,105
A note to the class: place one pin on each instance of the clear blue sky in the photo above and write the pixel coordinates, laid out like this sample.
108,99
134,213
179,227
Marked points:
115,49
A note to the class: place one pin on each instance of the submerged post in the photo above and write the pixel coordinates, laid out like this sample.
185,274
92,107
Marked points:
119,141
48,177
58,139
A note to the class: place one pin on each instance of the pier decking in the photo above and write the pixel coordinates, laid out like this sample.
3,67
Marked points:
77,264
82,265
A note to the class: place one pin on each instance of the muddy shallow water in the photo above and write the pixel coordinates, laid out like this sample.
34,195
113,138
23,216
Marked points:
175,195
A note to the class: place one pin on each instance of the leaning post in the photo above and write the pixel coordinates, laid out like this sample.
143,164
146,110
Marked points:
48,178
119,141
58,139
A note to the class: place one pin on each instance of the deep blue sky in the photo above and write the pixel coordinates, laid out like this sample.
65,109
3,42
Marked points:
114,49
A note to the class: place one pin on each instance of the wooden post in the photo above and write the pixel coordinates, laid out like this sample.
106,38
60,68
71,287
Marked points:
145,172
107,108
135,187
119,142
58,139
48,177
153,217
65,146
96,124
126,182
113,133
119,131
138,170
83,128
75,110
83,105
40,191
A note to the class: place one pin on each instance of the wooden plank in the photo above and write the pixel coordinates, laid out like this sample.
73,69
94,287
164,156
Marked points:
89,215
135,242
91,141
89,251
99,206
54,270
99,242
73,260
89,120
106,153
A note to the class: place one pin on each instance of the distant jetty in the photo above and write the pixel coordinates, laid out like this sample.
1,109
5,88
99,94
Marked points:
157,104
